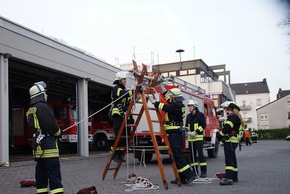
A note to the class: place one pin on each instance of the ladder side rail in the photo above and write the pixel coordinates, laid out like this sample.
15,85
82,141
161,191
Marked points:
117,139
154,141
128,112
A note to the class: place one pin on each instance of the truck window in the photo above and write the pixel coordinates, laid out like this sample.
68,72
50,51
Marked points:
211,111
73,112
60,113
205,110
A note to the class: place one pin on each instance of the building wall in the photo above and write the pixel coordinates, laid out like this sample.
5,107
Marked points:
249,103
193,79
275,114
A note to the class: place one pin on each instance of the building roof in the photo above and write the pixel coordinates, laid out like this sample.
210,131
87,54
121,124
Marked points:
282,93
251,87
273,102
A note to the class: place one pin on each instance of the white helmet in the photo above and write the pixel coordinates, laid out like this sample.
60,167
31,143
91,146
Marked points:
120,75
192,102
176,93
230,104
36,91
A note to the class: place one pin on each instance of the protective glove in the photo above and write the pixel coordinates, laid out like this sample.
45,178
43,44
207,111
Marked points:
191,133
157,96
151,98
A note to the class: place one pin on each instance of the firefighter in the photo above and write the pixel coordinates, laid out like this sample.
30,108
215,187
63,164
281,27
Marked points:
46,132
230,137
254,136
121,98
174,116
195,121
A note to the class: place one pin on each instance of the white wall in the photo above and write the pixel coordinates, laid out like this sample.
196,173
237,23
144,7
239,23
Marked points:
277,112
251,101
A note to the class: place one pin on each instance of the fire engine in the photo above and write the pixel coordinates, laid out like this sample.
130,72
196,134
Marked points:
66,118
100,132
142,138
104,134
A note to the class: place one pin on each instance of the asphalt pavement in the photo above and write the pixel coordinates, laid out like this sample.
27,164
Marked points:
264,168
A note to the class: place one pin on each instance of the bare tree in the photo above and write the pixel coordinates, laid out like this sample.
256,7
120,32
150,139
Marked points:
286,20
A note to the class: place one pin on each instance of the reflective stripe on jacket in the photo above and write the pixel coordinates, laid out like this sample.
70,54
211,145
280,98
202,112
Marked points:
41,120
196,123
231,129
174,112
118,91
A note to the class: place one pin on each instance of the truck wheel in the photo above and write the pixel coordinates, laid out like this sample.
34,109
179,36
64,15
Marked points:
213,153
101,143
148,156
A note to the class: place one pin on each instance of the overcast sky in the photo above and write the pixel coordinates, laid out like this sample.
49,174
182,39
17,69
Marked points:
243,34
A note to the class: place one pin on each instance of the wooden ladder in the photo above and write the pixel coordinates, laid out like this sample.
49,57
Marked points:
143,99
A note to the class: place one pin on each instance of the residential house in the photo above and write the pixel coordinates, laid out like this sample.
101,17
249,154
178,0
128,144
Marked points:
250,96
277,113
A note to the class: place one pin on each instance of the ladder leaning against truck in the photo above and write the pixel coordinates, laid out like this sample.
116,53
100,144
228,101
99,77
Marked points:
143,140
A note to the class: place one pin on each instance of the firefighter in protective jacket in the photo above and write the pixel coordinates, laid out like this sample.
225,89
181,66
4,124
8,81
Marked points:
230,135
195,121
44,142
121,98
174,116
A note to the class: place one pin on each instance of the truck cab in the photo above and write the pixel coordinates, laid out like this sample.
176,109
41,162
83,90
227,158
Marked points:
66,118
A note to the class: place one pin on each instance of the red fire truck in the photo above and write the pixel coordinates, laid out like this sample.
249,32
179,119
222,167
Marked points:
100,132
142,138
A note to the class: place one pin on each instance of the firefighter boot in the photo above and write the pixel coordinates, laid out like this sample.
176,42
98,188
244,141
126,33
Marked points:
203,172
116,155
116,158
226,181
235,177
121,158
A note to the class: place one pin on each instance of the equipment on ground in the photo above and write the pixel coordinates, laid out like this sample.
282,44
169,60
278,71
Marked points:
142,98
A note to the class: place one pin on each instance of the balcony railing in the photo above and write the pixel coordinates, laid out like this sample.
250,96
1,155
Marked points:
246,107
248,120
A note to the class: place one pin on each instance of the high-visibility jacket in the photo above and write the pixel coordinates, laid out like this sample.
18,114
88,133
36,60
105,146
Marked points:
231,129
195,123
42,122
120,106
174,114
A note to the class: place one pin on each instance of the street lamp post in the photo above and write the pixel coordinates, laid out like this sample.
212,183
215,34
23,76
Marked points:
180,51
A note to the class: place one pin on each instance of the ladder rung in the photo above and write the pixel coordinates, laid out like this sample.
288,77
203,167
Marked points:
163,147
139,102
112,169
149,108
131,125
155,121
135,114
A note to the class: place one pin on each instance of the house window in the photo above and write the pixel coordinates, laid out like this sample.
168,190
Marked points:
288,100
172,73
165,74
184,72
259,102
264,117
288,115
192,71
243,103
